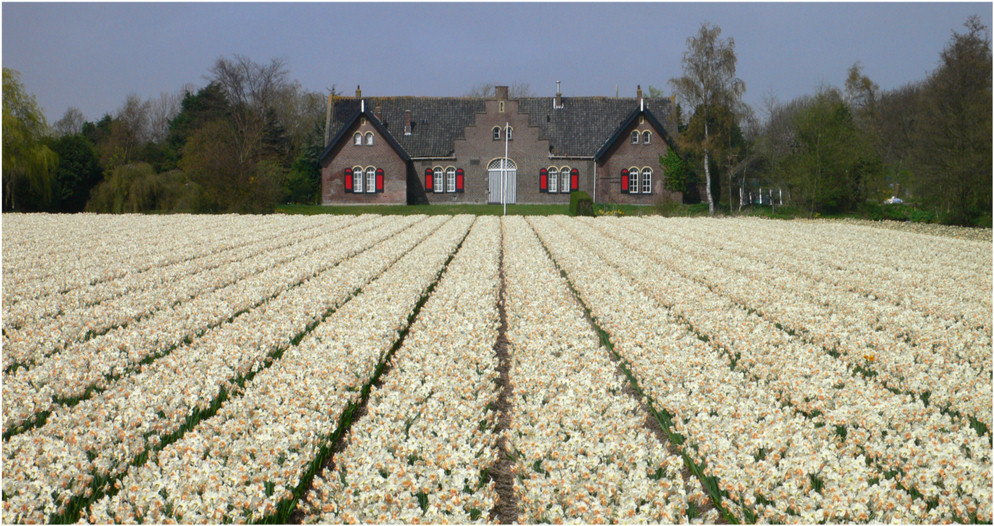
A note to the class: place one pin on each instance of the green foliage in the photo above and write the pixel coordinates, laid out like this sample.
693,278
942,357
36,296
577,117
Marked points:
196,110
136,188
28,164
676,174
303,182
709,86
581,204
78,171
215,158
953,147
830,162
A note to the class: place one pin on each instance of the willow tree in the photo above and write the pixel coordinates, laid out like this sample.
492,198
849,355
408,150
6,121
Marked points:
24,155
709,83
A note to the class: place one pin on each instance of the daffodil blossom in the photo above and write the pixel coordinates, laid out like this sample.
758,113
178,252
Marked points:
255,450
420,452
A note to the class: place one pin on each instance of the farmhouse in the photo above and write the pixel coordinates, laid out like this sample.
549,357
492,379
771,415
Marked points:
428,150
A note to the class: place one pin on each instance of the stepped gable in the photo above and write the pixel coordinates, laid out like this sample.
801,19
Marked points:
580,128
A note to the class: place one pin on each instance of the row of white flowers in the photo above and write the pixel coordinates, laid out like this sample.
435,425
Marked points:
242,463
582,453
34,342
419,453
913,276
137,291
768,459
85,365
944,460
83,445
931,229
852,325
57,253
944,277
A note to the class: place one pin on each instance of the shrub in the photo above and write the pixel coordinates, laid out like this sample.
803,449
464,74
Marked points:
581,204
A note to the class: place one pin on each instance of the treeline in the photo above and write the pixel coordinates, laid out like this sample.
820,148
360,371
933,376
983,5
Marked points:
847,150
244,143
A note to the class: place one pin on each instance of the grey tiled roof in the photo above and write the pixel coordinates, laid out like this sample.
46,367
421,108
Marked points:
584,123
580,128
436,122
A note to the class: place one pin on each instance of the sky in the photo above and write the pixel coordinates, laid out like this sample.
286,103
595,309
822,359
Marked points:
93,55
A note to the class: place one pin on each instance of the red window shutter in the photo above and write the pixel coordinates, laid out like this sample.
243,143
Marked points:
348,180
460,179
429,175
379,179
624,181
543,180
574,180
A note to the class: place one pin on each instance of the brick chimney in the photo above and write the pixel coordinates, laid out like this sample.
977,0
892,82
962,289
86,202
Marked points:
638,93
379,113
358,92
407,122
501,92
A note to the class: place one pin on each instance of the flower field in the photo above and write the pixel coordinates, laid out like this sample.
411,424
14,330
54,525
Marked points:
440,369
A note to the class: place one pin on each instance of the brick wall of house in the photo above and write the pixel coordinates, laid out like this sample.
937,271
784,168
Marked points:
624,154
379,155
530,153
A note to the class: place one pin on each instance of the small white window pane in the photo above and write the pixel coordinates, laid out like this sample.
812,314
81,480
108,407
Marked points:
439,182
647,181
450,180
645,137
357,179
553,180
357,138
510,133
635,137
370,180
633,180
369,139
564,175
496,134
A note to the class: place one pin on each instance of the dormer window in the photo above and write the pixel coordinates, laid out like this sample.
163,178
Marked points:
357,139
369,138
645,137
496,133
635,137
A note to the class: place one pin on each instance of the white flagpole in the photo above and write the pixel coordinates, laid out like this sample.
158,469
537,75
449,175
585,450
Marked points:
503,172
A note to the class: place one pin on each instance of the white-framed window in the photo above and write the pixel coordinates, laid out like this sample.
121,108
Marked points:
450,179
370,180
564,179
496,133
510,133
647,180
553,180
635,137
369,138
357,179
645,136
357,139
633,180
500,106
439,183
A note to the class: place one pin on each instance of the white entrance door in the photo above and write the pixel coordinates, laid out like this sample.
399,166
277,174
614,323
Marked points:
509,171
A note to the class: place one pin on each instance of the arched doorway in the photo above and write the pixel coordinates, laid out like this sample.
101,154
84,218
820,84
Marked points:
509,170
